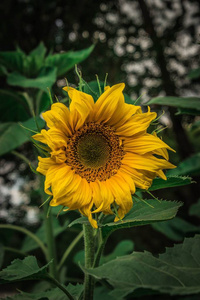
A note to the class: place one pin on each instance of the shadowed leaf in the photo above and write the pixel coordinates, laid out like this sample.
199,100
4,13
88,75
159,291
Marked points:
176,272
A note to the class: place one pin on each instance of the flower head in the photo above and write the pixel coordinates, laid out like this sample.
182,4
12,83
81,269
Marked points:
99,153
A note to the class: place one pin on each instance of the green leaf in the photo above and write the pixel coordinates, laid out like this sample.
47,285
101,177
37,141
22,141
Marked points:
13,107
195,209
29,244
140,214
23,270
188,111
39,52
52,294
36,59
46,78
3,71
123,248
176,272
43,102
66,61
12,135
179,102
12,60
190,166
172,181
143,214
102,293
195,73
176,229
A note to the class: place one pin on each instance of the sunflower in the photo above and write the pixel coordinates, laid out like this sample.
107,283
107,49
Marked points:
99,153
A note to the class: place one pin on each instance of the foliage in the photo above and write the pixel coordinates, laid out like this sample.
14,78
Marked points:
28,267
33,73
175,272
189,105
171,272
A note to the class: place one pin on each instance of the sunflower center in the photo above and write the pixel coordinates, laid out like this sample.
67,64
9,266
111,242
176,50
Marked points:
94,152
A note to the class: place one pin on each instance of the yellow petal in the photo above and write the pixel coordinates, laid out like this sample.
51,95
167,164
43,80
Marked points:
146,162
107,103
58,117
140,178
144,143
58,178
40,138
138,123
80,102
54,138
86,211
122,195
44,164
59,156
102,197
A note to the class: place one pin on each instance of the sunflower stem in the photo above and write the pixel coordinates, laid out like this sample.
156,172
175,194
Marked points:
89,241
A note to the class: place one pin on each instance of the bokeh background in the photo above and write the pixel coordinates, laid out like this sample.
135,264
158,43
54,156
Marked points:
151,45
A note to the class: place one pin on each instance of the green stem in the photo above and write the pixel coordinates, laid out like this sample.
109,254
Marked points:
101,245
50,240
60,286
21,156
89,240
15,251
27,232
69,249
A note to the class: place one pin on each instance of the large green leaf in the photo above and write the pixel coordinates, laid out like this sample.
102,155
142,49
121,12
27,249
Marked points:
29,244
172,181
13,107
140,214
176,272
190,166
35,59
52,294
188,111
176,229
46,78
23,270
179,102
12,60
102,293
65,61
12,135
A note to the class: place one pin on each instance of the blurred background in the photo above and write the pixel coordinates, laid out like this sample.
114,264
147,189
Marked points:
151,45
